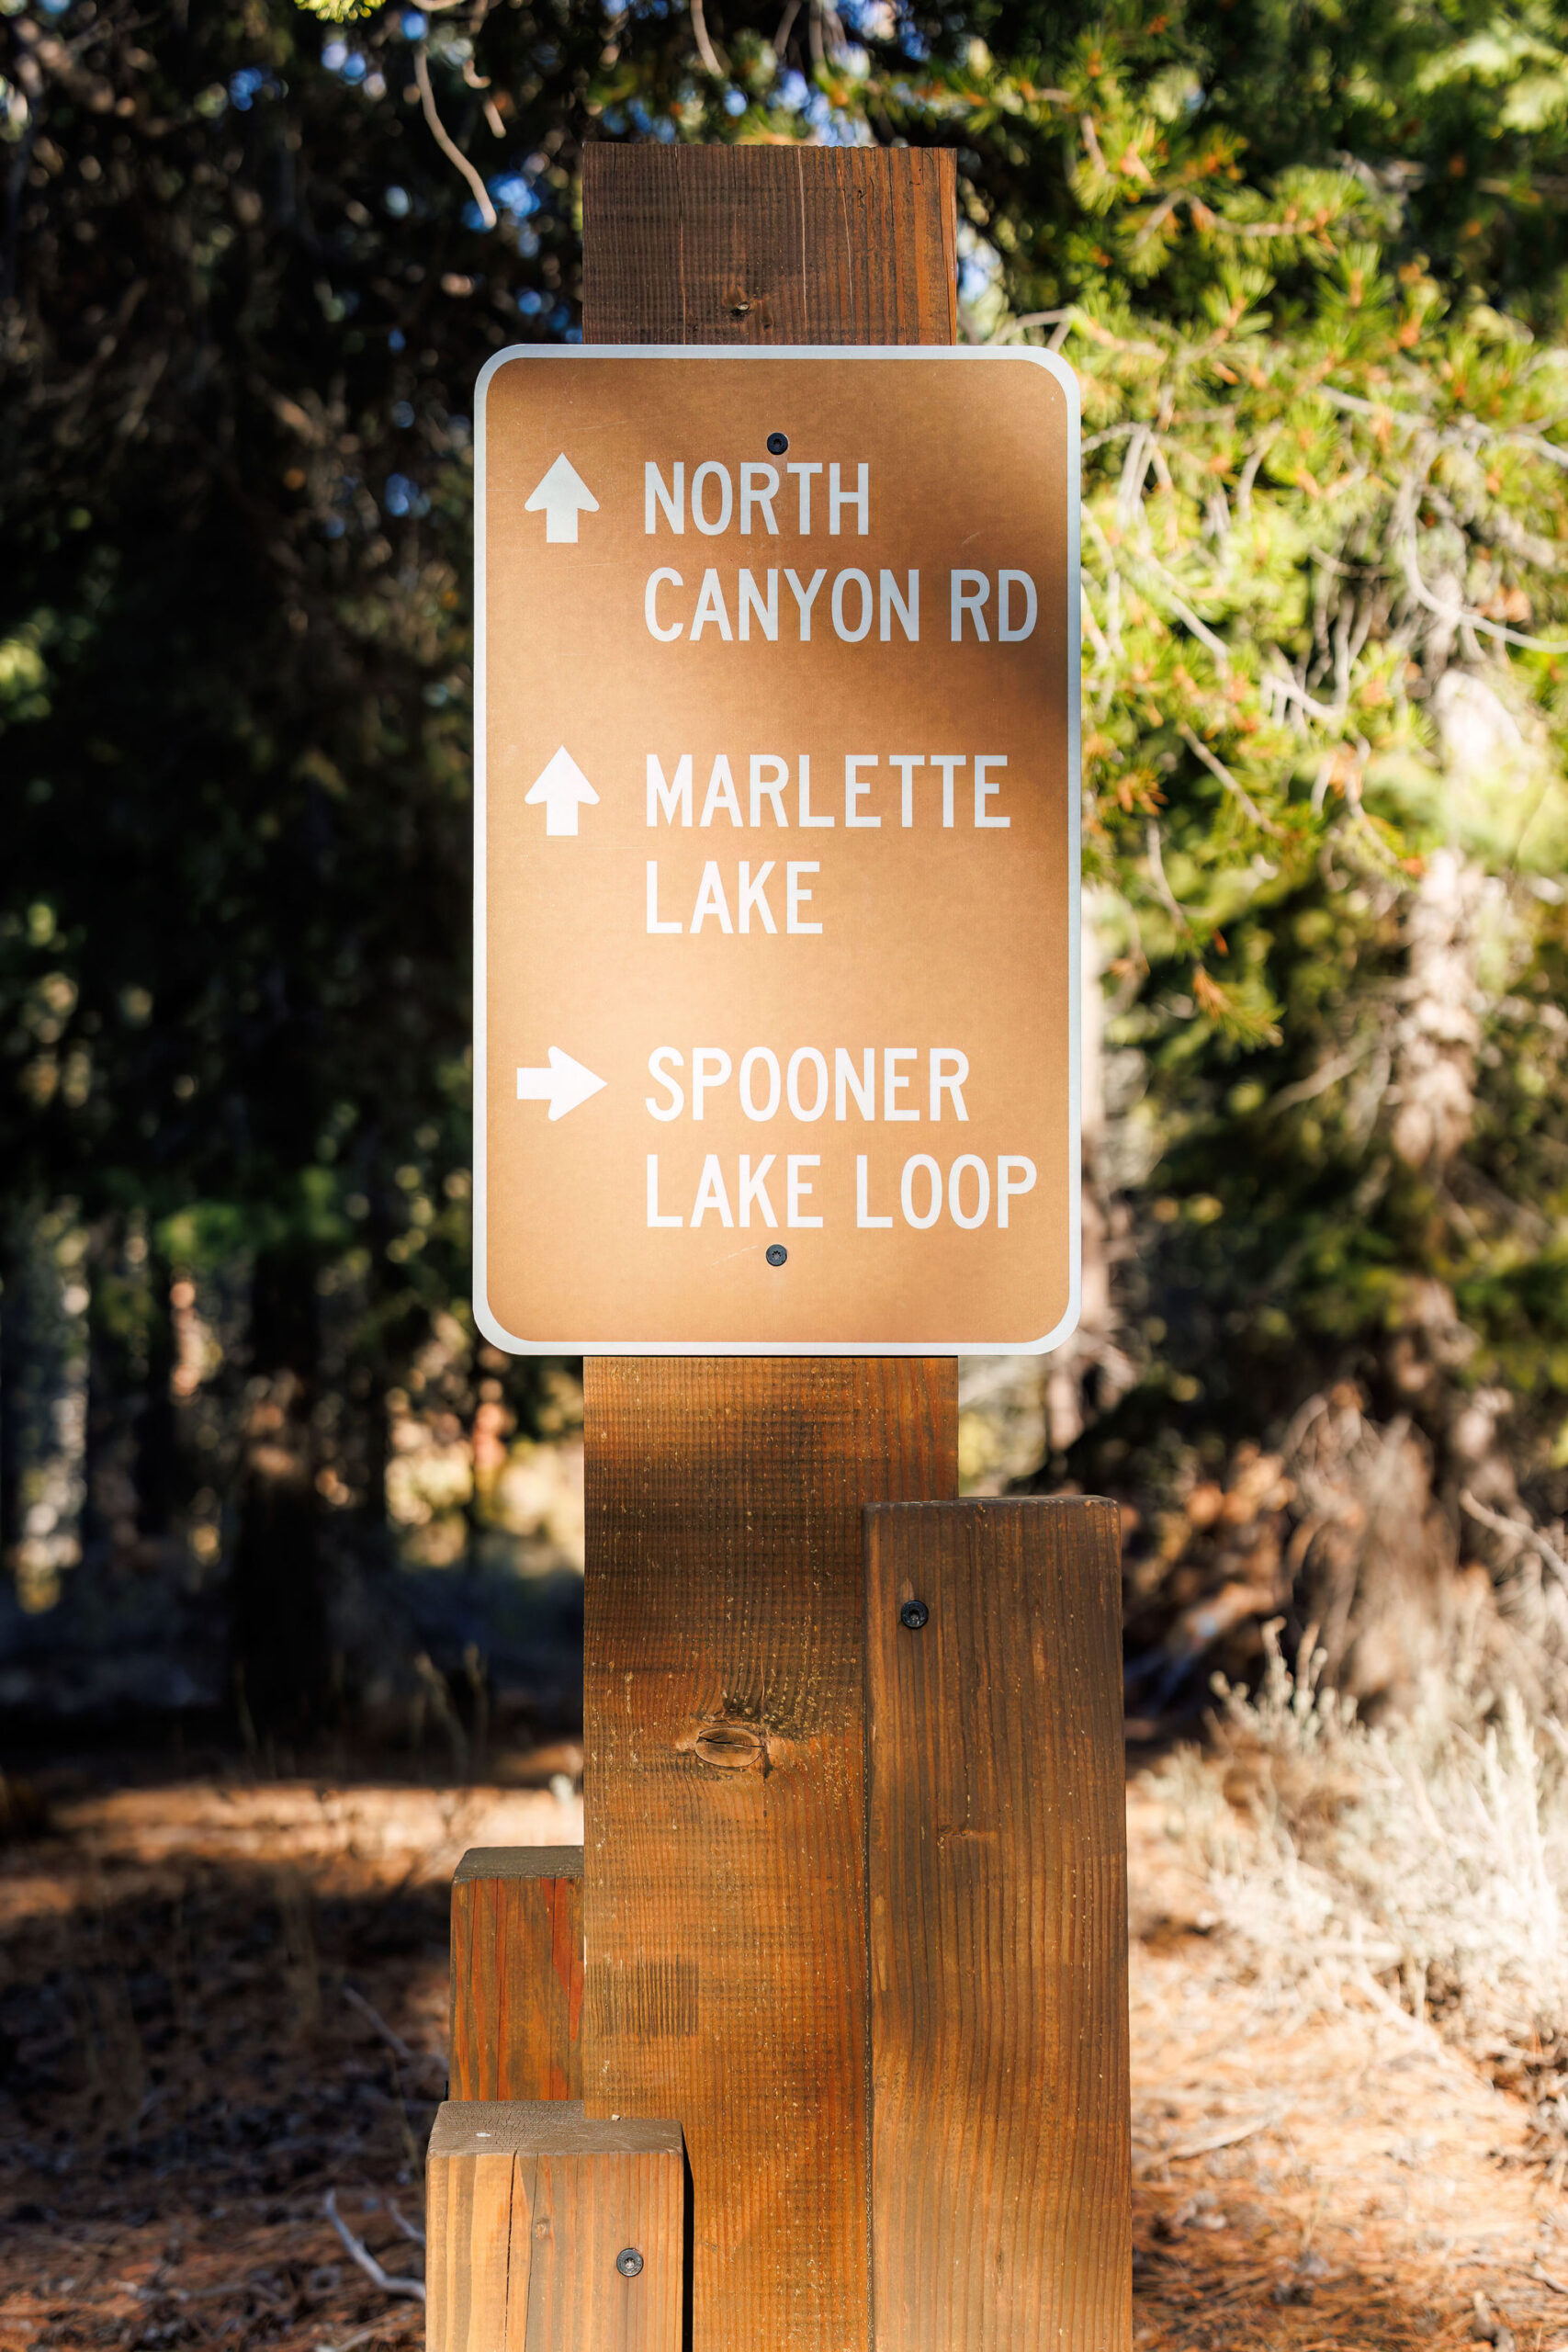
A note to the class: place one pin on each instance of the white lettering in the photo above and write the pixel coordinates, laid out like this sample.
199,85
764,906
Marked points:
1006,633
947,761
650,604
753,494
673,502
862,1204
838,498
970,600
759,1054
907,762
907,1192
653,921
711,900
806,816
676,794
848,1081
867,605
653,1215
712,471
752,896
803,474
767,614
954,1179
711,1194
711,608
806,597
984,791
763,788
946,1082
752,1188
796,897
893,1083
807,1054
797,1189
855,790
721,794
710,1068
1010,1188
661,1077
908,614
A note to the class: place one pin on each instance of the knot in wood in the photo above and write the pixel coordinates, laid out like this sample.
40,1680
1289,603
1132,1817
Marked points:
732,1746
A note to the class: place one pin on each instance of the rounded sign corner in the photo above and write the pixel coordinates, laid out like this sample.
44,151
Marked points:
496,1333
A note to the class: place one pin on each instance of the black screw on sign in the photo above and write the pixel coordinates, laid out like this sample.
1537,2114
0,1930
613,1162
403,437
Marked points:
912,1615
628,2262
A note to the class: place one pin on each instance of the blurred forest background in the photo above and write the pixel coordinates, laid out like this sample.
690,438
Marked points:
1311,263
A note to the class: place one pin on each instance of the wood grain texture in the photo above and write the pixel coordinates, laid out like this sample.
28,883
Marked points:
528,2209
1000,2155
774,244
723,1875
517,1973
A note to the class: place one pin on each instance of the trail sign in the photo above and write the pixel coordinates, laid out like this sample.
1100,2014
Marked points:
777,867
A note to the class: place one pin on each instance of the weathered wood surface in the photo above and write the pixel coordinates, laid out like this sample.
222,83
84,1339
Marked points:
768,245
527,2208
996,1811
724,1895
517,1972
724,1870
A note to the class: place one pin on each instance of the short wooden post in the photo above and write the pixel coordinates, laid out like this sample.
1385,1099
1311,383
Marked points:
1000,2194
724,1865
517,1972
544,2234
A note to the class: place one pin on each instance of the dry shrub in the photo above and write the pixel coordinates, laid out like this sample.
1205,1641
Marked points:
1422,1859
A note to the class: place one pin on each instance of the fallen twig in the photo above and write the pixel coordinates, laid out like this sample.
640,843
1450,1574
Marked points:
394,2041
357,2251
412,2230
1228,2139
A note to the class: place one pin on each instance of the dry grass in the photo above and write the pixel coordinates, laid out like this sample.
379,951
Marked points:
1422,1861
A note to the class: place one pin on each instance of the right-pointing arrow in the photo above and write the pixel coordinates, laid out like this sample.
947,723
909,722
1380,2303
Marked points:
563,1086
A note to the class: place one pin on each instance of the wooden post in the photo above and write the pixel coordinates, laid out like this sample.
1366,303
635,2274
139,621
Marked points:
544,2234
724,1890
517,1972
1000,2195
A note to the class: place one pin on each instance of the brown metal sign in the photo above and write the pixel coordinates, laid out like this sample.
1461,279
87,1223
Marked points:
777,887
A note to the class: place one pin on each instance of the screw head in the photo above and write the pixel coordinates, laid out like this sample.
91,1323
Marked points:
776,1254
777,444
913,1614
628,2262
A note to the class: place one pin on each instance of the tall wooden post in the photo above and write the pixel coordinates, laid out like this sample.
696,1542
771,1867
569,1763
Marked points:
724,1873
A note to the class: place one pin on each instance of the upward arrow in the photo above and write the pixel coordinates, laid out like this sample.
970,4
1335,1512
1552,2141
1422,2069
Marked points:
561,787
561,493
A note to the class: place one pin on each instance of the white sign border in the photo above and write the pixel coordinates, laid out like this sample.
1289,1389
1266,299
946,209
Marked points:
578,354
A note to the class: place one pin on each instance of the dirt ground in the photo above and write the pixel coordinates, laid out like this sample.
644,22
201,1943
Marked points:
222,1999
